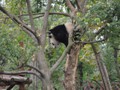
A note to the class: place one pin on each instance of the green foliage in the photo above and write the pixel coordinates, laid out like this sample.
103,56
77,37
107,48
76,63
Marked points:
90,71
97,13
108,57
15,6
114,34
38,5
12,53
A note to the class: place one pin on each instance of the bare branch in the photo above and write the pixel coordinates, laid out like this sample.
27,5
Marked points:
70,5
45,19
40,72
72,8
21,24
81,5
77,3
21,72
37,15
10,87
30,15
90,42
50,13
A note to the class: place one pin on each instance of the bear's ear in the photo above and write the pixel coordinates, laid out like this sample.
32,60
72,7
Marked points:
49,34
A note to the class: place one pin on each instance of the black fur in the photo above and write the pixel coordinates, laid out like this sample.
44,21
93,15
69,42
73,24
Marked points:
60,33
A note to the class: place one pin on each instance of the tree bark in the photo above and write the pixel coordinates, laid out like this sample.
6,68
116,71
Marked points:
72,57
46,78
70,68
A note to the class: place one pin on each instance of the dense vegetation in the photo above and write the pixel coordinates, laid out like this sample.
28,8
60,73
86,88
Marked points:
100,20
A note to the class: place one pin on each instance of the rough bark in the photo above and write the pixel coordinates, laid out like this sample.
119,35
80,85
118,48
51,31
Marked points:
72,57
102,69
70,68
46,79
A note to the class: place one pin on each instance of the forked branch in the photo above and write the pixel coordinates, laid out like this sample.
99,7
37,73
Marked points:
71,7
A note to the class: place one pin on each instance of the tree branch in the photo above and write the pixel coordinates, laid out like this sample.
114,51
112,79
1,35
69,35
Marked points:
10,87
90,42
101,29
45,19
21,24
36,15
40,72
21,72
70,5
81,5
50,13
77,3
30,15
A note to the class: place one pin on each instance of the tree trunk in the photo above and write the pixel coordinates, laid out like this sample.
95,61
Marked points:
46,78
102,69
70,68
43,66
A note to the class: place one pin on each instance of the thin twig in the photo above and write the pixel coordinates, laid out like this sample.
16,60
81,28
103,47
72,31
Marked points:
50,13
96,41
40,72
30,14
